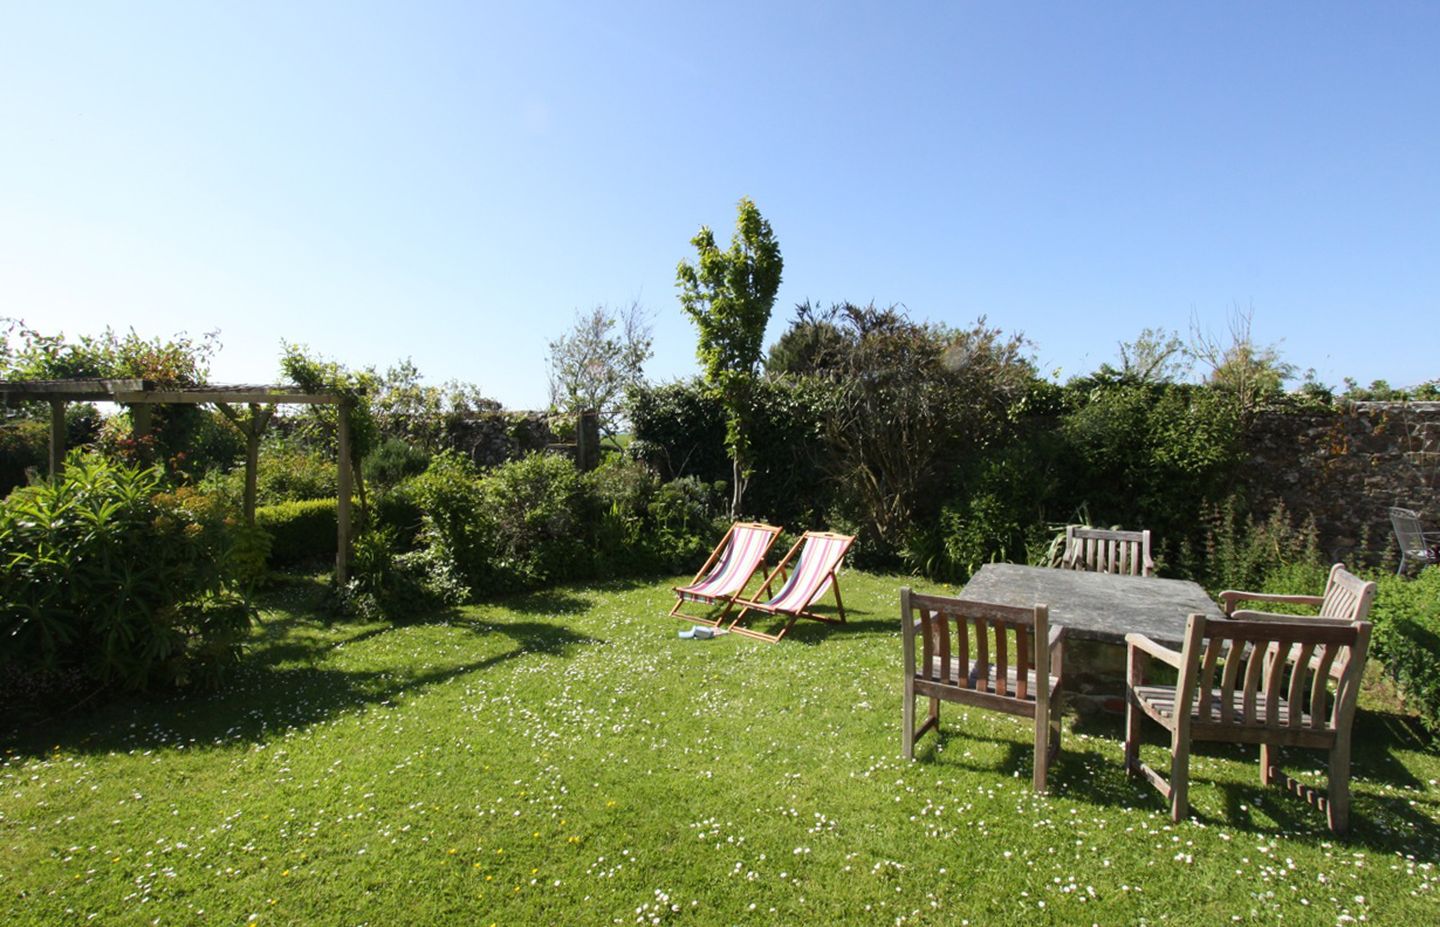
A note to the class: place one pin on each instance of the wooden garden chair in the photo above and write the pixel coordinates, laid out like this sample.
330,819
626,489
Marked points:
819,556
1101,550
1265,682
955,665
740,553
1347,597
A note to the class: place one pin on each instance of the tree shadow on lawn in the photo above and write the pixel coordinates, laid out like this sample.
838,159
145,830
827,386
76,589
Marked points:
265,699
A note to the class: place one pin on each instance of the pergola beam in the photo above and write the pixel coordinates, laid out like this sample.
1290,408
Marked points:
140,395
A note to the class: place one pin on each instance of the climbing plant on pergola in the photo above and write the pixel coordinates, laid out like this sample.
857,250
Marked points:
141,396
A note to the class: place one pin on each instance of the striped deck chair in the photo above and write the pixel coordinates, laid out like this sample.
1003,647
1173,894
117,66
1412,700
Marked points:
735,559
820,555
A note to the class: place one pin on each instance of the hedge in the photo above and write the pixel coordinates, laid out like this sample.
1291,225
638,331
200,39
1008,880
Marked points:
300,532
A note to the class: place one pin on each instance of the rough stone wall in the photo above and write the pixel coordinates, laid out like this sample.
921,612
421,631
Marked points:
1347,467
491,438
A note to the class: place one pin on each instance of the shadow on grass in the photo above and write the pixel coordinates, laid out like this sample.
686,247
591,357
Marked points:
859,623
266,698
1381,823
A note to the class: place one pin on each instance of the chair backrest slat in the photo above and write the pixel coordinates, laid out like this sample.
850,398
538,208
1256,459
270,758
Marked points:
982,654
1207,676
1319,689
1002,660
942,629
1299,669
1233,658
1022,661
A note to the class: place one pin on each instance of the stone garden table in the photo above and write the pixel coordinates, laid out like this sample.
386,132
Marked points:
1101,607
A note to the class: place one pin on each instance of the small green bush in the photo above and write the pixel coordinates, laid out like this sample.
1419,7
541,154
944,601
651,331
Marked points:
1407,639
111,573
301,532
394,461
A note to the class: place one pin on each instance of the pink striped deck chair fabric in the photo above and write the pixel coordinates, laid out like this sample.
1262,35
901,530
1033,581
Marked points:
724,576
820,555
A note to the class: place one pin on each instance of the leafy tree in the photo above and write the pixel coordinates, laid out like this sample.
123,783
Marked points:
913,406
810,342
728,295
1155,356
596,362
1249,374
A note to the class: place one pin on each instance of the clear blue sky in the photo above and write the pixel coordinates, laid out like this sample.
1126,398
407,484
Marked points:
451,182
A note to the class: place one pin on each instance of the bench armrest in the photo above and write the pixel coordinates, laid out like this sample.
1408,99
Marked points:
1146,645
1057,635
1230,597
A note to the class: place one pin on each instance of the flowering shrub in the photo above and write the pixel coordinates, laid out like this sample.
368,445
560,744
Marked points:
111,573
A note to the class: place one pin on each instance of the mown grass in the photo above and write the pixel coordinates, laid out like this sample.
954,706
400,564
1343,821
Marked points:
563,758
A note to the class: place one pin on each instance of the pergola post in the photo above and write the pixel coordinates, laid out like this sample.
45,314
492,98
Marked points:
57,436
253,428
342,506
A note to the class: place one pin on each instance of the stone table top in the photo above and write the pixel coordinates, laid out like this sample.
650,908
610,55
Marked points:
1097,606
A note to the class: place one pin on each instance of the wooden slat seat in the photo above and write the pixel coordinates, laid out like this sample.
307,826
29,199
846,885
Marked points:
1275,680
998,657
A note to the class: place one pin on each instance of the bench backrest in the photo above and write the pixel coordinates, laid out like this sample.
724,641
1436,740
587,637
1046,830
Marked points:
1347,596
1237,672
1102,550
1004,644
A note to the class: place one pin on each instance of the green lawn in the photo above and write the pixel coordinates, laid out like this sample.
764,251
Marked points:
563,758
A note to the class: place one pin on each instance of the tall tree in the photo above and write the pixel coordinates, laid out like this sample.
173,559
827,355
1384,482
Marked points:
728,295
592,365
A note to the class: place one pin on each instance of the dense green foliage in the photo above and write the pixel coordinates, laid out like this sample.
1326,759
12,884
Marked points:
111,572
302,532
1407,639
538,520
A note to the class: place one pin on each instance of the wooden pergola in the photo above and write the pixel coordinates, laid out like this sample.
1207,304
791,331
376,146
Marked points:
141,396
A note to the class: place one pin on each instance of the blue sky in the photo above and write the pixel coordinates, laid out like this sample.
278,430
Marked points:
452,182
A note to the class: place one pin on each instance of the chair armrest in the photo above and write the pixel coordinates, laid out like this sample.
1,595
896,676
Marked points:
1146,645
1057,634
1230,597
1247,614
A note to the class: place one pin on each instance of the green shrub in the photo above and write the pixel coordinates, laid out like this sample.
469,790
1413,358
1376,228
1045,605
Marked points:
24,446
110,573
394,461
540,510
453,516
1241,553
1407,639
301,532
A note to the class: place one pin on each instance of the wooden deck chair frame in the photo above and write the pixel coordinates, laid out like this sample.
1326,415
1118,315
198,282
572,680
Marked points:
829,577
682,595
1105,550
1277,701
944,670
